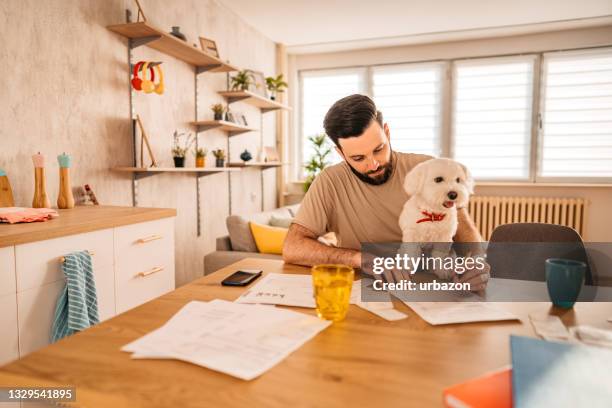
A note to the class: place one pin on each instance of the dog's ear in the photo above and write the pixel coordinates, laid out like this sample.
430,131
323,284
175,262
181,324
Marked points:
415,180
469,180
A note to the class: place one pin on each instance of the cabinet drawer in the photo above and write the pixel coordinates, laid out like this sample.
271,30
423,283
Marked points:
7,271
8,322
144,262
38,263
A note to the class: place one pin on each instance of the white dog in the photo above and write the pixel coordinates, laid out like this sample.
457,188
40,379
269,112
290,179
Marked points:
436,188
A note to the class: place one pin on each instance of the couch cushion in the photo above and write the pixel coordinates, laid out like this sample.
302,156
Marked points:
240,234
269,239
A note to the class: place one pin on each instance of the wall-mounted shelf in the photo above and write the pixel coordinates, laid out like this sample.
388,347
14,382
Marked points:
230,127
251,98
141,172
261,165
145,34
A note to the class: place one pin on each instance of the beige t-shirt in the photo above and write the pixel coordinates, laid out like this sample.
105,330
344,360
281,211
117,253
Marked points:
357,211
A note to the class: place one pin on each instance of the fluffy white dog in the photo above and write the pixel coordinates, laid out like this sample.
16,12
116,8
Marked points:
436,188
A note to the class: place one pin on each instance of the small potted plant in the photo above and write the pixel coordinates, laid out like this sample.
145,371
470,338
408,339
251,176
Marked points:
276,85
200,156
180,150
219,157
242,80
218,110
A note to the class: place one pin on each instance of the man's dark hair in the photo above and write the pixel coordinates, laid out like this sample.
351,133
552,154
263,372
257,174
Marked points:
350,117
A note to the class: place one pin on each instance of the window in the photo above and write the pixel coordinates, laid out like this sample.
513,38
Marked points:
576,126
492,116
320,89
409,96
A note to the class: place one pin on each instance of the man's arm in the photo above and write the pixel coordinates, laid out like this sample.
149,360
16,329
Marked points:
301,247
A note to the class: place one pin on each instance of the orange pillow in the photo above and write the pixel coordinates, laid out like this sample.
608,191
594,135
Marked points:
269,240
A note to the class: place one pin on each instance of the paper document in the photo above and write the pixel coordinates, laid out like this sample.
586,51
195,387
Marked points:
548,327
383,309
240,340
281,289
458,312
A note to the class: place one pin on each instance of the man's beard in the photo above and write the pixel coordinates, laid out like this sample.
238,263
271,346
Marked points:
382,179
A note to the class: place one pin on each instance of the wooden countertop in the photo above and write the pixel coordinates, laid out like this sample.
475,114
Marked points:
361,361
78,220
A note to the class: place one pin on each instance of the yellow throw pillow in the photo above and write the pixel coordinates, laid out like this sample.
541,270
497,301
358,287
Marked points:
269,240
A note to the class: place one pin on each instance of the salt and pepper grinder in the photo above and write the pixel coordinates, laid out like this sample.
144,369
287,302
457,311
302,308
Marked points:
65,198
6,193
40,200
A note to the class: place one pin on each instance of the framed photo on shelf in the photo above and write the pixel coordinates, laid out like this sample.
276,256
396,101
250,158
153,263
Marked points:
270,154
209,47
229,116
259,83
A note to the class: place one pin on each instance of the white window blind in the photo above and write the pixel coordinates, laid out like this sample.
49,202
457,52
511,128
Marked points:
576,133
320,89
409,96
492,116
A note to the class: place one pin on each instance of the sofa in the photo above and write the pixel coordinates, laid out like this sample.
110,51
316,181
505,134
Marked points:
239,243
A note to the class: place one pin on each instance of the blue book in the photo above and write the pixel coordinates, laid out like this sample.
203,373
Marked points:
552,374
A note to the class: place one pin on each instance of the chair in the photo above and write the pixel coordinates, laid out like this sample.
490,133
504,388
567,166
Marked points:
519,251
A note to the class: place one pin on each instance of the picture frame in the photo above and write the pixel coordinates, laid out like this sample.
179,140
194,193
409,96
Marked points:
229,116
209,47
271,154
259,83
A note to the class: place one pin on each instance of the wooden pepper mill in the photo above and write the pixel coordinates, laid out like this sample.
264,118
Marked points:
65,198
40,200
6,193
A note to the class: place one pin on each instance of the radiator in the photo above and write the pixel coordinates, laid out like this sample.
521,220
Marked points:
488,212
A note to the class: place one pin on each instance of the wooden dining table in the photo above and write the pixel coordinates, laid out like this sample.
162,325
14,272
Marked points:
362,361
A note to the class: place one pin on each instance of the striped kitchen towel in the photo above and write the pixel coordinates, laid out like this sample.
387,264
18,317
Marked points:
77,306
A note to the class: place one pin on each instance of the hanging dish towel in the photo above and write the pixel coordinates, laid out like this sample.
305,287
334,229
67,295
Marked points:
77,306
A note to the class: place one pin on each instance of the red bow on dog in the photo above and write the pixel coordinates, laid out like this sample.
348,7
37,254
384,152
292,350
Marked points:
431,217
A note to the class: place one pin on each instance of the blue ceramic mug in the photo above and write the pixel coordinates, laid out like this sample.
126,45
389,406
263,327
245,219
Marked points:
564,279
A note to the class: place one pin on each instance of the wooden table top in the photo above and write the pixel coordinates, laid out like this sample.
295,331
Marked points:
362,361
78,220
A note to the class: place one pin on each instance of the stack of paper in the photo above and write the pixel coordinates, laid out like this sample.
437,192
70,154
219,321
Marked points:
240,340
296,290
458,312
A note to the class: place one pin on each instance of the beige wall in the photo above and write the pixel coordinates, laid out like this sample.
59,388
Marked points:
64,87
599,221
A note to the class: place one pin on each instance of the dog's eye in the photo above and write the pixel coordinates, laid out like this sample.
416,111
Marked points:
458,180
439,179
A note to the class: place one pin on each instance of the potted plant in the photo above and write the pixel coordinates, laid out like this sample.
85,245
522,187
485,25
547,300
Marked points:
318,160
276,85
180,150
242,80
200,156
218,110
219,157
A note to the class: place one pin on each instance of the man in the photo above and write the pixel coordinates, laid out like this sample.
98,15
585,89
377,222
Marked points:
361,198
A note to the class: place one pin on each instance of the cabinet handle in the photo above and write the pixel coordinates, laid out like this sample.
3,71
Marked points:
149,272
91,253
149,239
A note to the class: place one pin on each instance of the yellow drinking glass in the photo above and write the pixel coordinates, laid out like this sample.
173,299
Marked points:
332,290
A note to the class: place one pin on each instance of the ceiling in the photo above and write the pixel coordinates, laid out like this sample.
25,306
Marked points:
333,25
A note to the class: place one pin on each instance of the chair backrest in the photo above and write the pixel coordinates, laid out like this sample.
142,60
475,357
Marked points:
511,252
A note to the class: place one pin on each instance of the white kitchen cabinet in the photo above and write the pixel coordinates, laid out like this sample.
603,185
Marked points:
8,322
132,263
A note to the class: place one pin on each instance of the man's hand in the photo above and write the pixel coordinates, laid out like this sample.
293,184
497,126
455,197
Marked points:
477,278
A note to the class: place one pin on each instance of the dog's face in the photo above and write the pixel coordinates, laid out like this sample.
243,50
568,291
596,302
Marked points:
441,183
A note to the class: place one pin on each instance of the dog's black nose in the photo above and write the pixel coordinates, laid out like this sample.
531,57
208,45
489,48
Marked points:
452,195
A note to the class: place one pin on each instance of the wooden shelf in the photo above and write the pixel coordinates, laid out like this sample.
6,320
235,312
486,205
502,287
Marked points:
249,97
230,127
142,172
262,165
145,34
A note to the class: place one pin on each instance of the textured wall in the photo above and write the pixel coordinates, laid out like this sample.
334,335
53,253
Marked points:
64,87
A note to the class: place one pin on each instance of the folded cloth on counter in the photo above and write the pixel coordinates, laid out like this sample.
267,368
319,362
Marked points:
77,306
13,215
